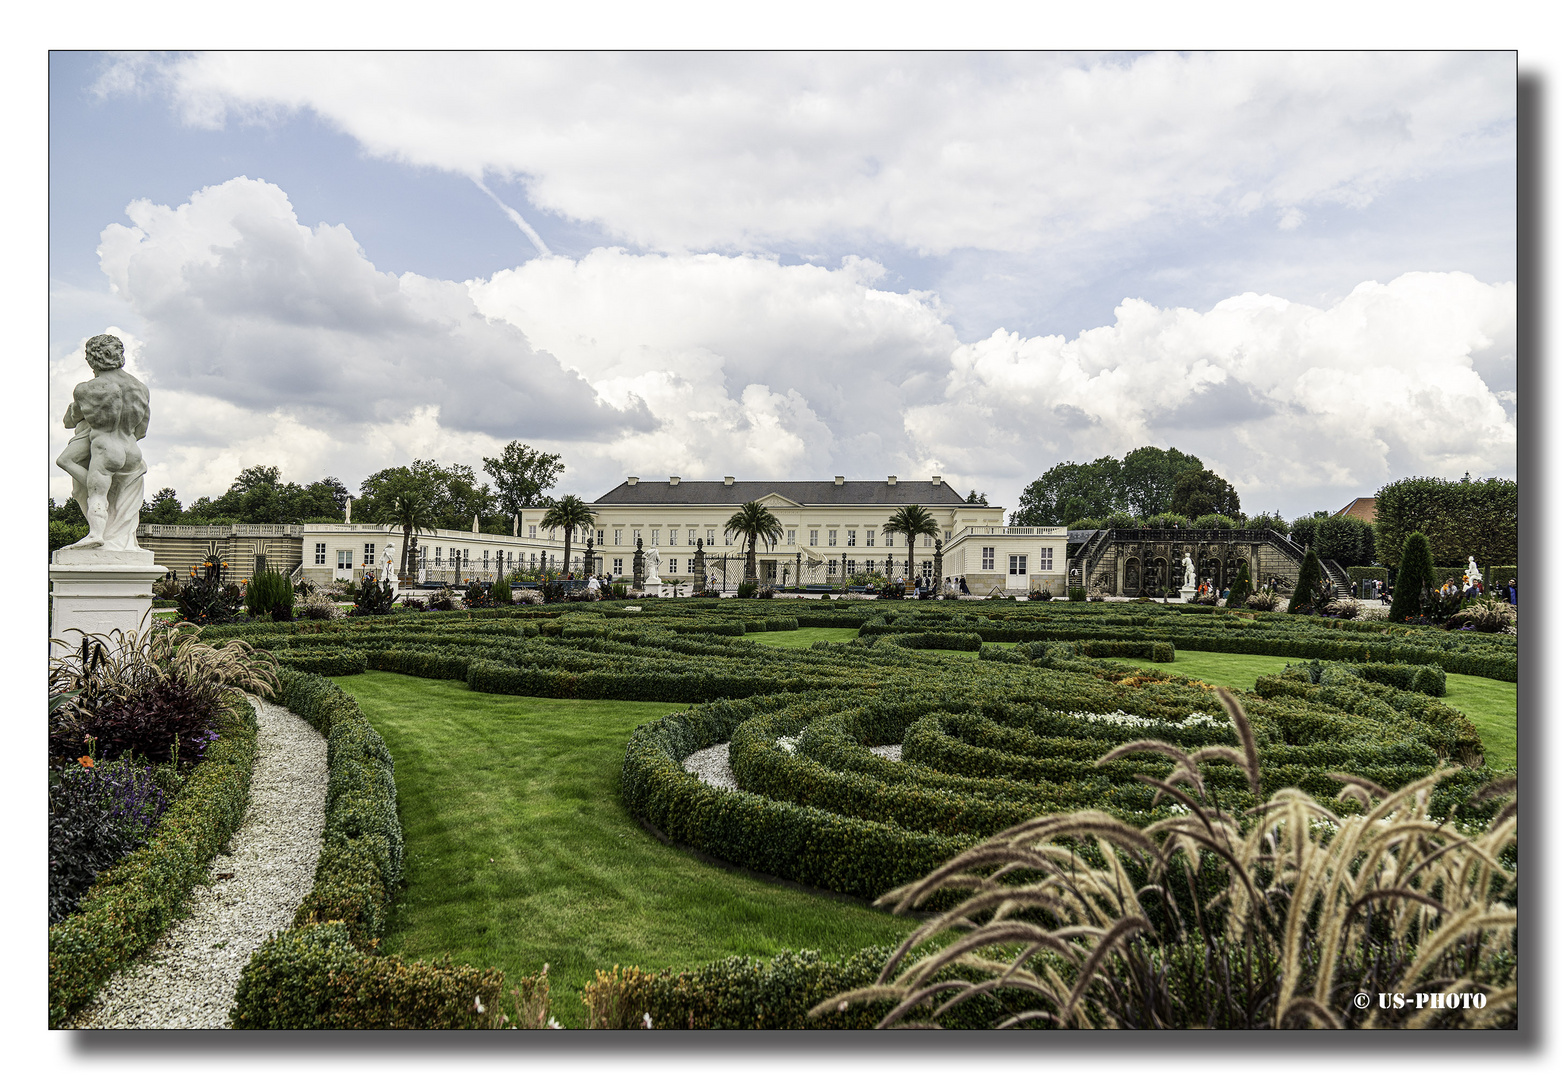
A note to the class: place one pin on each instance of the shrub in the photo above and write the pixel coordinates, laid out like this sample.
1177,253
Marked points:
746,590
1076,592
1489,614
373,598
1264,600
167,721
500,592
1214,521
204,599
443,600
1240,588
1120,520
1345,608
270,593
529,596
1414,591
98,812
1086,523
413,603
1167,520
1299,915
1307,590
319,606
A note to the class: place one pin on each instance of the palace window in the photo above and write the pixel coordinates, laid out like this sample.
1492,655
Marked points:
831,538
465,553
345,559
851,537
600,538
532,532
928,541
886,539
619,567
710,534
437,556
869,538
369,554
1046,558
655,538
320,554
1019,565
848,567
617,533
791,538
484,558
636,535
690,537
831,566
424,554
814,534
986,558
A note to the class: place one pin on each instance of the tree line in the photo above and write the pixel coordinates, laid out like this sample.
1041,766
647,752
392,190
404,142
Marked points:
1153,488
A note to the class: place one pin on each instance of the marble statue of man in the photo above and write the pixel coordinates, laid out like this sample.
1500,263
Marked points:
1473,571
110,413
1188,568
655,561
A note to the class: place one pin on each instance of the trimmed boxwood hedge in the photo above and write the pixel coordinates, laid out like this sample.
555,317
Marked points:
322,973
136,900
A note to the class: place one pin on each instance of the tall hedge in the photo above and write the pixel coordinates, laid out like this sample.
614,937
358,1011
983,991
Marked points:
1416,573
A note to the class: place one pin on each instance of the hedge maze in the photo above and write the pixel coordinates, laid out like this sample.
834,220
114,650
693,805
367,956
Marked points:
986,743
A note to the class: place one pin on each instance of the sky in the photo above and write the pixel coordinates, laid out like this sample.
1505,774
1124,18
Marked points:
1300,267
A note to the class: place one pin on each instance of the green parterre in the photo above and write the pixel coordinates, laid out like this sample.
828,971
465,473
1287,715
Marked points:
984,745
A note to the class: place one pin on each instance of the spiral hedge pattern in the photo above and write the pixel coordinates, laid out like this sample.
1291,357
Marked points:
987,742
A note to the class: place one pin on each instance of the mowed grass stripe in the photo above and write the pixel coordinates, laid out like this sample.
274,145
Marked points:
519,852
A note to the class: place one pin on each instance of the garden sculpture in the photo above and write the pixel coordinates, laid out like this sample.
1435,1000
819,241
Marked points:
110,413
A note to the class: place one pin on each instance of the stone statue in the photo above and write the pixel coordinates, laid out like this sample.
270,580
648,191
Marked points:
656,564
1473,571
1188,569
389,566
110,413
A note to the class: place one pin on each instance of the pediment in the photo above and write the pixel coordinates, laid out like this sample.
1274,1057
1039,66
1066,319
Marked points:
773,500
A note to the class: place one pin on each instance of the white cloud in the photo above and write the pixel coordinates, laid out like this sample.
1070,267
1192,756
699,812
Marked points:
268,342
932,151
1279,397
243,303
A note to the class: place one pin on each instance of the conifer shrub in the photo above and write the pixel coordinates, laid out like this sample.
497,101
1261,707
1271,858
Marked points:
1307,590
1240,590
1416,580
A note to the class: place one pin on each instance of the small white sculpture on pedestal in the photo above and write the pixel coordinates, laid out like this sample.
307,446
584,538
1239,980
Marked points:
655,564
1474,576
103,582
1188,577
389,567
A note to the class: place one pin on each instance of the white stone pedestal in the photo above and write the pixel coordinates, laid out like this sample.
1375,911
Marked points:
1186,592
97,592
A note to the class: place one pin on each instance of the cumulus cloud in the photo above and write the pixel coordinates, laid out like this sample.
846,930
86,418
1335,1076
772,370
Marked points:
935,152
244,304
1277,396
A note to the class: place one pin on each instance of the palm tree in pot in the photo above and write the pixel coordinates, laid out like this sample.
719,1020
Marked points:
569,513
754,521
912,521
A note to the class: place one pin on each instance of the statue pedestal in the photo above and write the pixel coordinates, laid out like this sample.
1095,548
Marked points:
96,591
1186,592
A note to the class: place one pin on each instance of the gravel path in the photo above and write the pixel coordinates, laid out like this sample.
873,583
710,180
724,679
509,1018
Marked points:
187,978
711,765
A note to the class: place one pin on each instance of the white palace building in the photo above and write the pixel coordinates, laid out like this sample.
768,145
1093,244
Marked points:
832,530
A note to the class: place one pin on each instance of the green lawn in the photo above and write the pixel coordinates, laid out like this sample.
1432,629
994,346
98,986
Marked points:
1489,703
803,639
519,852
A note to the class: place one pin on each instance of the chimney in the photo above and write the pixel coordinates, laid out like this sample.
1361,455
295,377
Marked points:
674,481
728,481
630,481
891,481
935,481
838,480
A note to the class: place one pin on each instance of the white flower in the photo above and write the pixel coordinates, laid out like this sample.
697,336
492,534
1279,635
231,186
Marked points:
477,1004
787,743
554,1023
647,1020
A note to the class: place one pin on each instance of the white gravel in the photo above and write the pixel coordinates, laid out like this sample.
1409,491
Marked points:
187,978
711,765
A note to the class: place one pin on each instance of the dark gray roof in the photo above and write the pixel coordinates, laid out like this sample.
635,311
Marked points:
806,492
